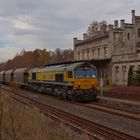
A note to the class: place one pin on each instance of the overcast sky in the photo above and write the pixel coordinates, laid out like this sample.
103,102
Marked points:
51,24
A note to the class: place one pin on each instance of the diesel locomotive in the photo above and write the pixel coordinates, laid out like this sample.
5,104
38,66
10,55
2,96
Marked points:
77,81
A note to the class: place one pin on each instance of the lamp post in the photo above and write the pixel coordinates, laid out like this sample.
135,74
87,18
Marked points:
101,84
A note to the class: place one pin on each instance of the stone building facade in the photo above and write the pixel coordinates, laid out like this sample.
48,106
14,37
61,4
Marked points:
116,46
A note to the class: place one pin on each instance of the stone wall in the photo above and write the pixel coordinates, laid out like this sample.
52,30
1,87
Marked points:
121,65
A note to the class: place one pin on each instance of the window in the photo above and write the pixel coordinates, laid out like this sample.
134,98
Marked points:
87,54
132,67
33,76
70,75
105,51
128,36
83,55
85,73
98,52
78,55
139,32
117,73
124,73
93,54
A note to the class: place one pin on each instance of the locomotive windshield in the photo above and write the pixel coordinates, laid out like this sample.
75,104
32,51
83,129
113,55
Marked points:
85,72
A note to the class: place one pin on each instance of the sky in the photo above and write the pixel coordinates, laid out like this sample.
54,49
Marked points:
51,24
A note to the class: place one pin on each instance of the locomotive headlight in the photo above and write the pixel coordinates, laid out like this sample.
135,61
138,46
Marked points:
85,68
77,86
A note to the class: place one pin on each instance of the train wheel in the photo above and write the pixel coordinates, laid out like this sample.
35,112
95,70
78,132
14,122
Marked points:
64,95
69,94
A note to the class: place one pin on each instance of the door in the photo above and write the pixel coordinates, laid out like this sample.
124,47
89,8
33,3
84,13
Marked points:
59,77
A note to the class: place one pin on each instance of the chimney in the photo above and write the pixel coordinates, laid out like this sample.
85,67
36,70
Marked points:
110,27
116,24
133,16
133,13
84,36
122,23
75,40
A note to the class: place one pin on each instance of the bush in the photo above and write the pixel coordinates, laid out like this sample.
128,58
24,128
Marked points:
137,77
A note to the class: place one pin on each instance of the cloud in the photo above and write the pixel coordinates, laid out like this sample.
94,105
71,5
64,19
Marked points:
52,24
8,52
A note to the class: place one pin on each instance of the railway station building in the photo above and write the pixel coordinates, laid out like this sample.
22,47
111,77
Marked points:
112,48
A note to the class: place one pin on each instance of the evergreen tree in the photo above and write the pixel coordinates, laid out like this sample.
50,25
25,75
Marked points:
130,76
137,76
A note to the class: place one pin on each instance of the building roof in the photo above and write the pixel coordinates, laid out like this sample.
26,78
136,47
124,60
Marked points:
137,17
92,39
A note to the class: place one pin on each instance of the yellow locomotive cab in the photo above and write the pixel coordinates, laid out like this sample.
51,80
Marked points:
85,77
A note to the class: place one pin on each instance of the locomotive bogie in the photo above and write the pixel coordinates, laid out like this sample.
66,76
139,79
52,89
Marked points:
85,95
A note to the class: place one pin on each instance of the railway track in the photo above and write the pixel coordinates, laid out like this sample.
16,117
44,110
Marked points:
130,114
127,113
135,115
122,96
96,130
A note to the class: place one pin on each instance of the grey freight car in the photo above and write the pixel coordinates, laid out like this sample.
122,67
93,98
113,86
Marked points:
2,76
9,76
21,76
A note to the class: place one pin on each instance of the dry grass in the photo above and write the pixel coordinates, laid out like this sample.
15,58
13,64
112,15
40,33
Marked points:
18,122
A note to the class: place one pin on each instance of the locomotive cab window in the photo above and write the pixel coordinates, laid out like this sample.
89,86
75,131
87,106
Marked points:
70,75
85,72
